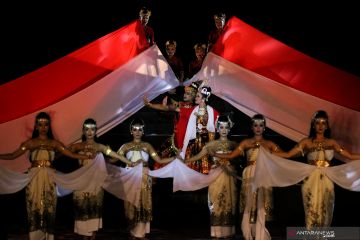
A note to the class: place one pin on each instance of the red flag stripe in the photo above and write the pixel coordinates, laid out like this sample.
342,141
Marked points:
256,51
71,73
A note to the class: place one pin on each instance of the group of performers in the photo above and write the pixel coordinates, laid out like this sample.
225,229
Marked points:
197,160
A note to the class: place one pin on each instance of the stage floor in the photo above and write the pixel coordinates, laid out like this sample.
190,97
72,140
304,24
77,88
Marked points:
156,234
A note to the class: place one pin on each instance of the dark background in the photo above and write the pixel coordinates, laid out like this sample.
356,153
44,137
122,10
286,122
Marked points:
34,34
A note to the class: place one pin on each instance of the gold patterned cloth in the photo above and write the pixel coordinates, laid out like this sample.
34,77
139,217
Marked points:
88,208
139,218
196,145
318,191
222,195
254,217
41,197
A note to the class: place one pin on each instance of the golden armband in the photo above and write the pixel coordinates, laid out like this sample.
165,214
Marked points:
121,152
108,151
241,151
276,149
153,154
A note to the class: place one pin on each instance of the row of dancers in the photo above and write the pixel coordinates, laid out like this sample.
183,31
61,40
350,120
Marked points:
201,161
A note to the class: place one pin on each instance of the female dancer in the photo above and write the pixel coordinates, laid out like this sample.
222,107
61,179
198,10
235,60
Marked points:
222,192
88,204
200,130
41,191
256,206
138,152
317,189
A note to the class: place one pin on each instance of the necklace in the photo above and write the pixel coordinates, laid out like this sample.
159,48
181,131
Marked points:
201,111
319,145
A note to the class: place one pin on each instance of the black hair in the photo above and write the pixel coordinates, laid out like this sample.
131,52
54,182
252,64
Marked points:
253,119
319,114
42,115
137,121
89,121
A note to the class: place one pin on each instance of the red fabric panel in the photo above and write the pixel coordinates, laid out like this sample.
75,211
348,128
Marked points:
256,51
71,73
181,125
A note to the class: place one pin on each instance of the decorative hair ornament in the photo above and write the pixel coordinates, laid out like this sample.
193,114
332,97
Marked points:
220,122
193,88
137,124
89,125
322,114
205,91
42,120
320,120
258,121
138,127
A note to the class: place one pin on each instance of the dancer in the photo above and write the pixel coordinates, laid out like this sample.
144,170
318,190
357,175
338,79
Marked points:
138,152
200,130
317,189
256,206
88,204
183,110
222,192
41,196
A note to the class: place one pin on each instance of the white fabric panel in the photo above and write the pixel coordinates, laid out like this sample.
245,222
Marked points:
185,178
125,183
85,178
287,110
109,101
12,182
274,171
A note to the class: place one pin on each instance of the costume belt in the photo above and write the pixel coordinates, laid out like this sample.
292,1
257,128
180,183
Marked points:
320,163
41,163
251,163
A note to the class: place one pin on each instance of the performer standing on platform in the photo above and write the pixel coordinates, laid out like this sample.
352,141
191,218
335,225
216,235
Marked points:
219,20
196,64
144,16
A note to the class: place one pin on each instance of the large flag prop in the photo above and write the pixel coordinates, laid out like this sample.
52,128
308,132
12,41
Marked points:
250,70
110,100
258,74
259,53
71,73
